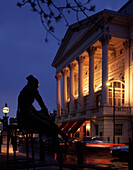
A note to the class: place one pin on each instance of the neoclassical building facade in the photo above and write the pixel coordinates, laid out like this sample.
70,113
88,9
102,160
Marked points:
94,73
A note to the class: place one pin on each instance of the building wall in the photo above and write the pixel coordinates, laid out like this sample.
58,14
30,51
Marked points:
120,68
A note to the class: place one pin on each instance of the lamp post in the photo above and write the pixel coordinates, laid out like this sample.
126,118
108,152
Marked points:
108,84
113,114
6,146
5,118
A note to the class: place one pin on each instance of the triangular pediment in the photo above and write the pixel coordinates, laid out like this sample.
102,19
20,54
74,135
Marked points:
74,33
74,37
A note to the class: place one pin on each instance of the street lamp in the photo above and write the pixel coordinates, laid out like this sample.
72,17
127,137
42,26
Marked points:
108,84
6,146
5,118
5,109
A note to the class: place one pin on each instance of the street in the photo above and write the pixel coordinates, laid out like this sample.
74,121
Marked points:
93,157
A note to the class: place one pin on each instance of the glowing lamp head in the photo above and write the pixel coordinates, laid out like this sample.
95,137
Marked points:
88,127
6,109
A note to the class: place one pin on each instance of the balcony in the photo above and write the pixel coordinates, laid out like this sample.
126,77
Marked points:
98,109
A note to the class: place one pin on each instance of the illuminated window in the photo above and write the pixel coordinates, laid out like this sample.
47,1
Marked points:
116,87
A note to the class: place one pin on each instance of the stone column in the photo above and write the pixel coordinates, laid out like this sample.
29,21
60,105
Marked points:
71,67
105,40
80,82
58,78
127,74
91,50
65,72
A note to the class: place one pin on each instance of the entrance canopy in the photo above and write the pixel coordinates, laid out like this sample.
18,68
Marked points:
71,127
76,126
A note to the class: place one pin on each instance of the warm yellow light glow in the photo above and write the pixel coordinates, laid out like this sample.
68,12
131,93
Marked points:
4,149
68,99
98,87
76,95
108,83
6,110
4,144
88,127
85,89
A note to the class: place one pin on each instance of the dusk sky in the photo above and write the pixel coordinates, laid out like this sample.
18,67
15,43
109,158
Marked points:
23,51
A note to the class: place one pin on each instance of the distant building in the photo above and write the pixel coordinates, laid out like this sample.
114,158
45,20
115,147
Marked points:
92,54
1,126
13,121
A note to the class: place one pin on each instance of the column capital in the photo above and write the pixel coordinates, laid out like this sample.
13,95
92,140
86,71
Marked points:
71,65
80,59
126,44
64,71
91,50
105,39
58,76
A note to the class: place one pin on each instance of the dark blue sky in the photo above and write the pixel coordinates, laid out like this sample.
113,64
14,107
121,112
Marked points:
23,51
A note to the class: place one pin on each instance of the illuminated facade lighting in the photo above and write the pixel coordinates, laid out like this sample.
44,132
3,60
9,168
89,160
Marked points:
97,59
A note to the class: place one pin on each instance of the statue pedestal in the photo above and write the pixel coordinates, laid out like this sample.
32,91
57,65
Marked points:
4,144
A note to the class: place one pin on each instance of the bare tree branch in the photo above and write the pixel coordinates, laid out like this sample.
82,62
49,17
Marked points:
53,11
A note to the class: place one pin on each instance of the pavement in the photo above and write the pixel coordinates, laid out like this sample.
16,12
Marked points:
91,162
49,164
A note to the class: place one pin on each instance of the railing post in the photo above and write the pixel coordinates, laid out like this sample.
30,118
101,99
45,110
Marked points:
27,150
80,156
130,162
32,148
14,143
42,153
8,138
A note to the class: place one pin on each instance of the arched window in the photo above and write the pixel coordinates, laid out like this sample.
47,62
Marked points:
116,87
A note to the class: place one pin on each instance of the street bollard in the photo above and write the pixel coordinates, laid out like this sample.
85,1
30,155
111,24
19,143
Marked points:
42,149
130,161
14,144
80,156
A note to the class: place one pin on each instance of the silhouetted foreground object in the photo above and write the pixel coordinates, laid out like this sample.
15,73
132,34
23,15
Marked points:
130,161
80,156
52,12
36,121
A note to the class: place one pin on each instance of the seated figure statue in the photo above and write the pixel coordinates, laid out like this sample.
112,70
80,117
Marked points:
29,118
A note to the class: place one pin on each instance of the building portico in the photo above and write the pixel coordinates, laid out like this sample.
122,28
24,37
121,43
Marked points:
85,64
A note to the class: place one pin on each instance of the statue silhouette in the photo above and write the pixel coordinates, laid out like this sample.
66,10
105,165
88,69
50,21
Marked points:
38,121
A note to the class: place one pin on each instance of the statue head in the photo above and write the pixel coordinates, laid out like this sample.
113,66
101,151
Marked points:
32,81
